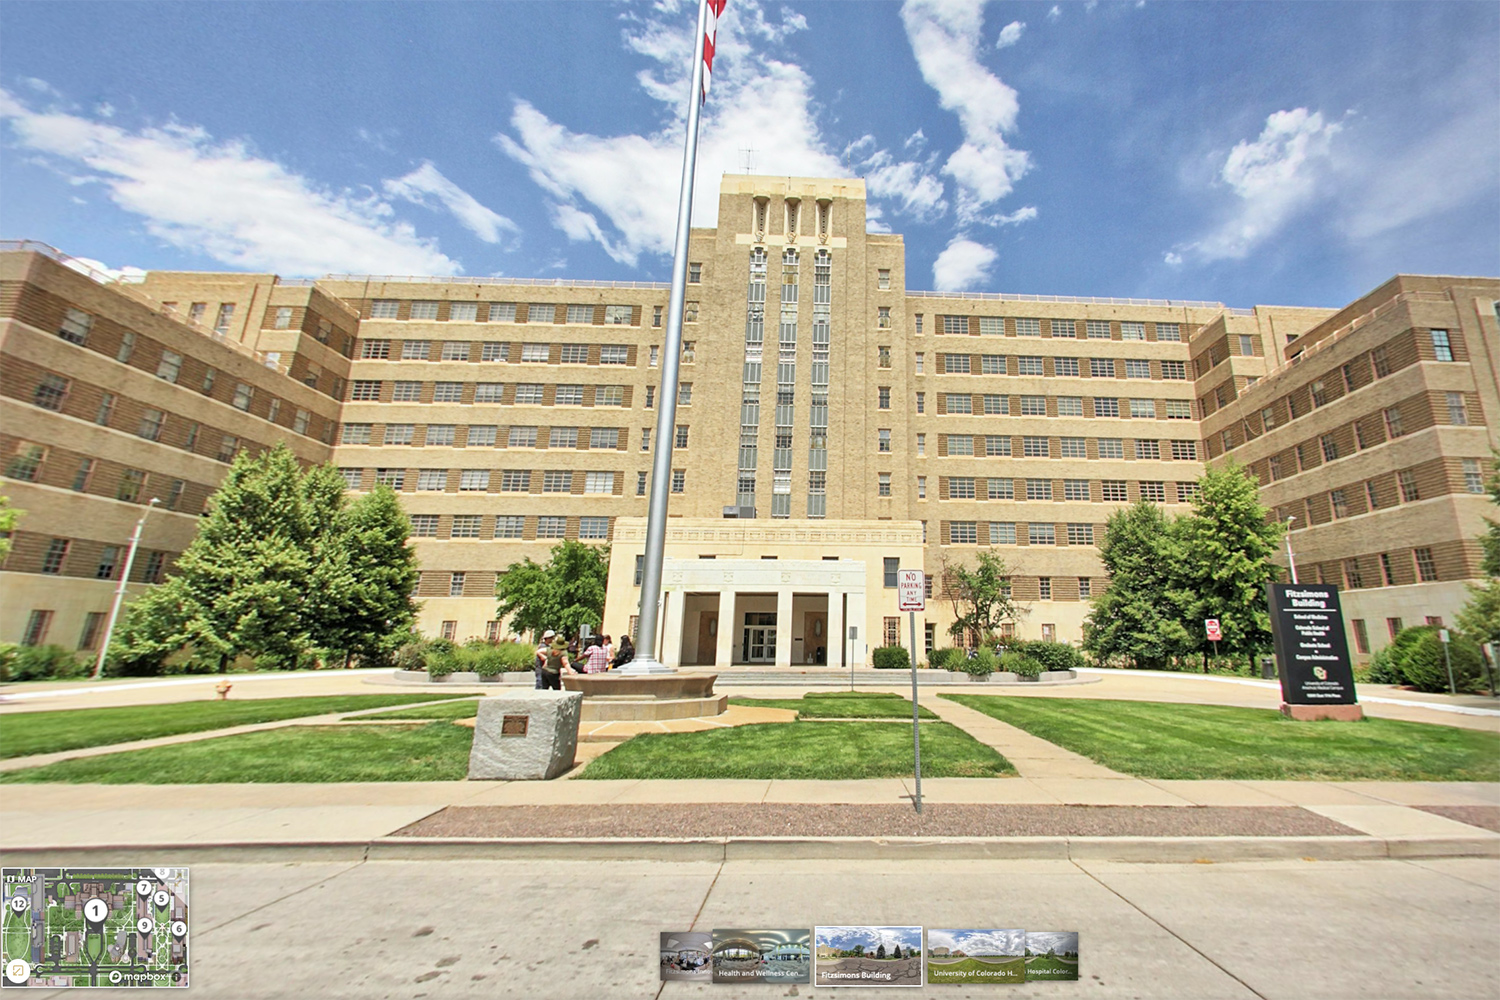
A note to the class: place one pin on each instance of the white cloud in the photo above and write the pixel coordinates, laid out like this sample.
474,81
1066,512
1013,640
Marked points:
97,269
945,40
1172,259
221,200
1054,13
962,265
1010,34
427,181
629,183
1025,214
1274,177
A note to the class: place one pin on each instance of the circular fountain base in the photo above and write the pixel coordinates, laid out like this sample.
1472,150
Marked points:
644,697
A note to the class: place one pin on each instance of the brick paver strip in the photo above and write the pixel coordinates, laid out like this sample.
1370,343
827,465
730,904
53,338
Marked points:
731,819
1484,817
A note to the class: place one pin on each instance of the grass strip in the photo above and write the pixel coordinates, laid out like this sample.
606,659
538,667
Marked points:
1174,741
436,751
827,751
463,708
841,705
25,733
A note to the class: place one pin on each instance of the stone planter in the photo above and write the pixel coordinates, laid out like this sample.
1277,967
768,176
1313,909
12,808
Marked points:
1002,677
1026,680
1059,675
439,678
491,678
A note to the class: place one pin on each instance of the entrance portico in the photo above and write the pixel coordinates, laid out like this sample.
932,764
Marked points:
774,592
786,612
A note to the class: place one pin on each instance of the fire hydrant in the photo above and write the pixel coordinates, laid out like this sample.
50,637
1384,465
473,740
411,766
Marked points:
222,688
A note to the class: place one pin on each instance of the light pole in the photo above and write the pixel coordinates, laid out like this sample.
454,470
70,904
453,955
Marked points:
114,611
1290,561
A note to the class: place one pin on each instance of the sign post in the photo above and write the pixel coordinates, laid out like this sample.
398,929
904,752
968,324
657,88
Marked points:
911,593
1211,627
1307,627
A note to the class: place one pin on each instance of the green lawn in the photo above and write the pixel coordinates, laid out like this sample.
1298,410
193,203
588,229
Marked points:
436,751
25,733
1157,740
829,751
466,708
841,705
1010,970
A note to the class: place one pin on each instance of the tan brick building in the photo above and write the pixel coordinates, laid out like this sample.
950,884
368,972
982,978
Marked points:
863,423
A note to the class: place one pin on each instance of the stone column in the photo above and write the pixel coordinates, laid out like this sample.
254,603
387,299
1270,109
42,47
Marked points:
784,627
836,642
728,629
670,651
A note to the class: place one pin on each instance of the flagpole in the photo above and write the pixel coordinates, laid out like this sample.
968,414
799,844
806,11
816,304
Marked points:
647,655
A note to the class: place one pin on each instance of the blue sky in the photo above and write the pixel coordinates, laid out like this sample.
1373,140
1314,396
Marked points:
1272,153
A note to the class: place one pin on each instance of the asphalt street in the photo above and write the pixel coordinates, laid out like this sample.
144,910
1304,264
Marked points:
1300,930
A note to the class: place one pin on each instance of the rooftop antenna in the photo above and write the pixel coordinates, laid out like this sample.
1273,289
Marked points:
749,152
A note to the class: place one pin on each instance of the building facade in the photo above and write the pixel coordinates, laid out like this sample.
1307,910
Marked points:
829,419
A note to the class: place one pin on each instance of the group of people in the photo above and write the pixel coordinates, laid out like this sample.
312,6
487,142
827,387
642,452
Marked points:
556,654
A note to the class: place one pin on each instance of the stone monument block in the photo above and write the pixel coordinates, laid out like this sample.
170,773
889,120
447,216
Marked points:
528,735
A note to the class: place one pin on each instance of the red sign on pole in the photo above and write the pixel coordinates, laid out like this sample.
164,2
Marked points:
911,590
1211,626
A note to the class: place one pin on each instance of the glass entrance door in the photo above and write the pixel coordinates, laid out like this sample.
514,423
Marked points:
758,644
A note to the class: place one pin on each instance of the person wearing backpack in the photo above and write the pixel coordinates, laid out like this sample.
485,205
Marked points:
554,662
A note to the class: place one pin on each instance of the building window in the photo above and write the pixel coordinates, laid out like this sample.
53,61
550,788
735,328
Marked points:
132,481
1458,414
557,481
1339,503
685,394
1473,478
432,480
1426,567
492,352
679,480
1393,626
85,471
1137,369
883,397
1038,489
579,314
454,350
1387,572
1041,534
921,402
551,527
599,482
1002,532
151,425
1111,448
563,437
449,630
963,532
593,527
953,402
1441,348
1076,489
1408,483
921,444
75,326
1393,426
50,392
424,525
921,487
1080,534
521,437
1085,588
1035,447
510,526
1044,592
884,443
52,560
1353,578
640,484
466,525
883,278
995,445
1361,636
1154,492
36,628
883,484
456,583
690,312
1106,407
680,440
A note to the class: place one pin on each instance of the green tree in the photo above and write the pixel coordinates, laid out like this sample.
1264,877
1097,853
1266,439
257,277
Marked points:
1226,547
880,952
1139,616
981,596
8,517
1490,540
1480,617
364,572
564,593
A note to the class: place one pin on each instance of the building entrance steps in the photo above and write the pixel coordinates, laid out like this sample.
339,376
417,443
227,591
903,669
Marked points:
1033,757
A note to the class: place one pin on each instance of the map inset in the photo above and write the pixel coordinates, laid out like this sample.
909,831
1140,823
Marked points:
94,927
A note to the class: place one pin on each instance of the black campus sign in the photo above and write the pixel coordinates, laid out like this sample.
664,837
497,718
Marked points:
1311,652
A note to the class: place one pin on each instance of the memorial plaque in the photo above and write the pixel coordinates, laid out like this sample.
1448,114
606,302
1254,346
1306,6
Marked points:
513,725
1307,627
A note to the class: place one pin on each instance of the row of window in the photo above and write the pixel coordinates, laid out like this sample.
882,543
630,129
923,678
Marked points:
1369,495
1000,364
1093,329
111,561
499,312
507,526
1005,533
486,480
501,351
1007,488
998,404
26,462
1036,446
1393,568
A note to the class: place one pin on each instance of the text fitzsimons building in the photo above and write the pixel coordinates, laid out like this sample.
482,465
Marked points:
832,426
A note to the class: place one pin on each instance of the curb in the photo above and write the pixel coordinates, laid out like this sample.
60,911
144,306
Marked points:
721,849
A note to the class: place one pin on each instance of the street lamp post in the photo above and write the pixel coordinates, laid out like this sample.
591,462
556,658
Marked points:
114,611
1290,560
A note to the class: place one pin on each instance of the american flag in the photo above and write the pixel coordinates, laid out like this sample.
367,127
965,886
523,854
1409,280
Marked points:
710,27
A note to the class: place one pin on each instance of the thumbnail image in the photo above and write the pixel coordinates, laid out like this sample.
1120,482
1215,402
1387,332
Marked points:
1051,955
687,956
765,956
867,956
962,955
